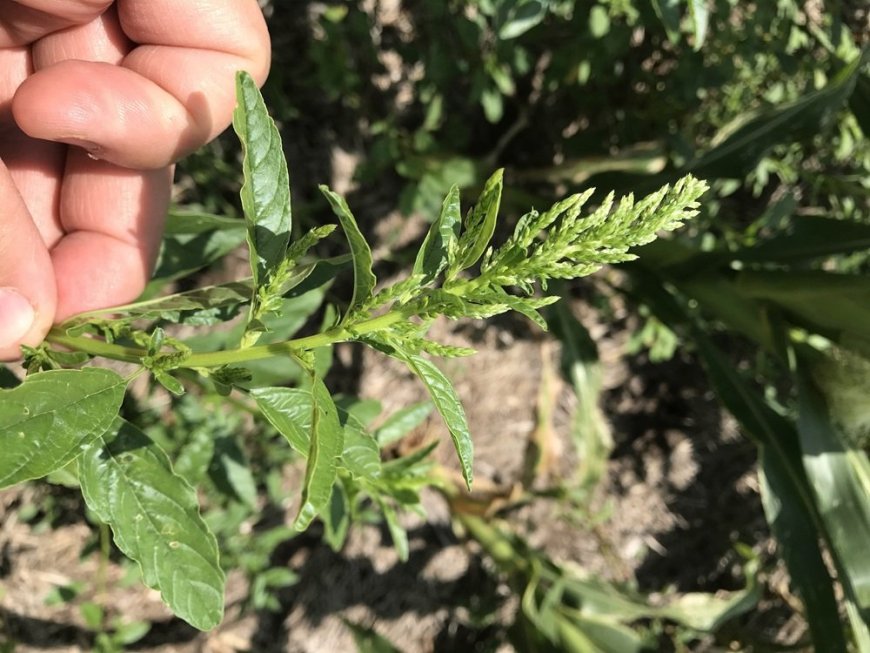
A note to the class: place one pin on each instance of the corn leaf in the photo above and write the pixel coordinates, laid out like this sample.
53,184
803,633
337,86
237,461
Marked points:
842,500
266,191
128,482
786,495
749,137
47,420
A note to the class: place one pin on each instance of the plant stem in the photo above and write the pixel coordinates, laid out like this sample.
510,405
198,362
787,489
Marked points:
292,347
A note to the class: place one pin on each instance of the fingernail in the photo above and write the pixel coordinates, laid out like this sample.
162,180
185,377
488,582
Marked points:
16,317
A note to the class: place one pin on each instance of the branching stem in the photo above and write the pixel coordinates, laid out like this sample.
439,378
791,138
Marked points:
292,347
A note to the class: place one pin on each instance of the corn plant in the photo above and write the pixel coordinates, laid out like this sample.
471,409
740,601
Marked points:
66,414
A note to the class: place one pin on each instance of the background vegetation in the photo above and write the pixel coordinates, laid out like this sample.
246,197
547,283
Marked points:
766,291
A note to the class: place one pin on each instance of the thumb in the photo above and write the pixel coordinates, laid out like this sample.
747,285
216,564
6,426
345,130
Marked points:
27,285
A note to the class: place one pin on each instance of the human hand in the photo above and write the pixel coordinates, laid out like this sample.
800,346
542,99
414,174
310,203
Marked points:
97,100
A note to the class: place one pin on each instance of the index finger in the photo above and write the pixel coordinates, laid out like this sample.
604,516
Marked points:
172,93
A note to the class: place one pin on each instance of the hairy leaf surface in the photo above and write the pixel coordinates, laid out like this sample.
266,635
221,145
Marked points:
128,482
45,421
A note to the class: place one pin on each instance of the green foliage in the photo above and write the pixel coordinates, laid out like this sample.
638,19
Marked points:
768,105
125,475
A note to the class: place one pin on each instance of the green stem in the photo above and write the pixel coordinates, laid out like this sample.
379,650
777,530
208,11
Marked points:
292,347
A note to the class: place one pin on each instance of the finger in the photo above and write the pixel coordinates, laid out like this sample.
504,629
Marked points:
24,21
174,92
113,218
15,66
101,39
27,290
36,168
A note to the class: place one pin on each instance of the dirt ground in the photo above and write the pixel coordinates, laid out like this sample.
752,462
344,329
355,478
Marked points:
680,491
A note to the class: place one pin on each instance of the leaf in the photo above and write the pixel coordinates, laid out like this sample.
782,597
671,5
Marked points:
402,422
581,366
448,405
127,481
859,103
289,411
398,534
845,298
841,498
435,251
336,520
325,446
668,12
787,498
808,238
364,278
231,473
45,421
361,455
481,223
521,16
193,241
266,191
742,143
700,17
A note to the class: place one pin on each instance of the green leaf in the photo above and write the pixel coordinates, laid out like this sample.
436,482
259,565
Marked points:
840,495
325,446
669,14
786,495
521,16
128,482
402,422
289,411
361,455
742,143
700,18
480,226
398,534
440,241
266,191
336,520
859,103
45,421
231,473
364,278
808,238
450,408
193,241
580,365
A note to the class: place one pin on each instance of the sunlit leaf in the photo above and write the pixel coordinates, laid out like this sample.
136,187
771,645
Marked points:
47,420
364,278
326,441
128,482
266,191
448,405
